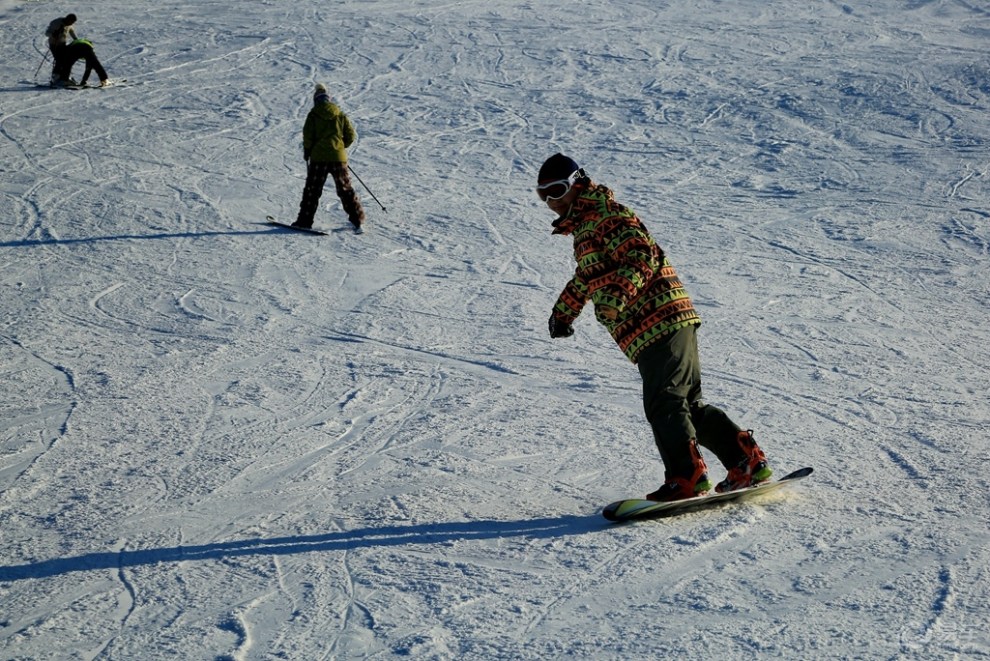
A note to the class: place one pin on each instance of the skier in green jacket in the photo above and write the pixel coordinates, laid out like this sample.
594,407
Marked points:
639,298
327,134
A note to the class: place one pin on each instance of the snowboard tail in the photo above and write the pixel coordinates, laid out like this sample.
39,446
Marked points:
639,508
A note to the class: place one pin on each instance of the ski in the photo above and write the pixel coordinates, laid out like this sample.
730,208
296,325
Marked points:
122,82
110,83
310,230
639,508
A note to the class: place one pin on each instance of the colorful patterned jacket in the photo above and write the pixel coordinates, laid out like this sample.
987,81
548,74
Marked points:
620,266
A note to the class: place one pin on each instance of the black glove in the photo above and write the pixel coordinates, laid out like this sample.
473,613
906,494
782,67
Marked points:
559,328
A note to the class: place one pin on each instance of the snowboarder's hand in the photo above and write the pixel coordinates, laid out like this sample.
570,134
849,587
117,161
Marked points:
559,328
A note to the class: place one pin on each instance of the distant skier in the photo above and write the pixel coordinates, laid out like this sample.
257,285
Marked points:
639,298
66,49
327,134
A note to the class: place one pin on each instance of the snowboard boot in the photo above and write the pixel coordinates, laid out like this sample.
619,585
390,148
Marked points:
688,485
749,472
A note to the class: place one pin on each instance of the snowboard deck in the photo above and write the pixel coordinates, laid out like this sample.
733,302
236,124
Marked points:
640,508
271,221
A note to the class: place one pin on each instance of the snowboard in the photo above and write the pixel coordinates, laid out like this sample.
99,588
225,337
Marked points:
272,221
639,508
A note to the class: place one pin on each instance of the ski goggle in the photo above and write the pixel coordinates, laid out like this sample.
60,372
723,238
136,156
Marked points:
554,190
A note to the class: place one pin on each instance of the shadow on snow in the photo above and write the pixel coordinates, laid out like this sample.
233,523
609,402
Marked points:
435,533
24,243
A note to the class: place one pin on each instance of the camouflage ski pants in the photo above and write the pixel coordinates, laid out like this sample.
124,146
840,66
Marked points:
316,179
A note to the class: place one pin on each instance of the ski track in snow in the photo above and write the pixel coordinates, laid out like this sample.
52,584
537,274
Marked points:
222,441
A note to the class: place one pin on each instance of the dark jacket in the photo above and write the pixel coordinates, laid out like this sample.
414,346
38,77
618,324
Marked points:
59,34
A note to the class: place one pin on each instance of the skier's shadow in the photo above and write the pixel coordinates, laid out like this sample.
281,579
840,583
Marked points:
412,535
26,87
27,243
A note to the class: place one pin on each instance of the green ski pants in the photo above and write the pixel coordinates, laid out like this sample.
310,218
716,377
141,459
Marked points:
671,371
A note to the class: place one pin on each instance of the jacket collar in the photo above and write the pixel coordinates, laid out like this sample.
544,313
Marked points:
565,224
589,198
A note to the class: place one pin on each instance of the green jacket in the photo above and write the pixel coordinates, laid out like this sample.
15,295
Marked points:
327,134
620,266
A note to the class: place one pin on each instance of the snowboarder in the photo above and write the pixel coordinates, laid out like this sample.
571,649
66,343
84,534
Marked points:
639,298
327,134
65,53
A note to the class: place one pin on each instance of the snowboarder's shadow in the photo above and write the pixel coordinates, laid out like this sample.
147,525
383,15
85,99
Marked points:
395,535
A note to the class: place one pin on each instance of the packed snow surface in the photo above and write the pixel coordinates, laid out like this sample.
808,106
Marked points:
224,440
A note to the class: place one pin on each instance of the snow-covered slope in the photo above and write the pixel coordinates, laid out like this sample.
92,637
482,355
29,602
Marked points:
219,440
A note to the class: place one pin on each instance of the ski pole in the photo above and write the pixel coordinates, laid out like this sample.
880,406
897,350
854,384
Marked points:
44,58
366,188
